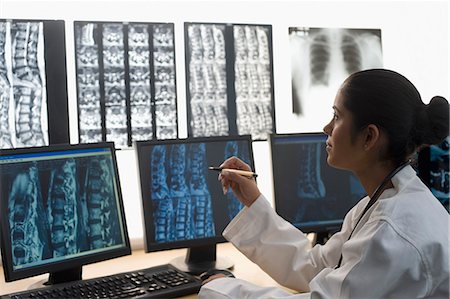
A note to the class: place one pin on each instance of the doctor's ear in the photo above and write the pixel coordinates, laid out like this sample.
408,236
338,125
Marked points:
372,136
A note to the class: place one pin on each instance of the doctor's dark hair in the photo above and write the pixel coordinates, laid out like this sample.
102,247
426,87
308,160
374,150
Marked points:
391,102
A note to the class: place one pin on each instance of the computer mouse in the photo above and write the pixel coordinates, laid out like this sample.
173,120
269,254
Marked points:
211,272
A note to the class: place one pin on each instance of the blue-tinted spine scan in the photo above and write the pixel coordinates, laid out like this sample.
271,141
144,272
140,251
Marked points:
208,80
200,195
181,200
253,81
232,149
60,208
130,68
439,171
23,101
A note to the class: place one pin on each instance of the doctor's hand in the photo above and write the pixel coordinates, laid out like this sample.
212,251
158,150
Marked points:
243,187
212,278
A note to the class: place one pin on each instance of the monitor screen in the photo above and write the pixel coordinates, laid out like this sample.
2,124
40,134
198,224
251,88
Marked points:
309,193
183,202
61,208
433,169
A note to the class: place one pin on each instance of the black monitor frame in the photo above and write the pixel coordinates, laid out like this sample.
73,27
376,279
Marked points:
201,254
323,230
69,269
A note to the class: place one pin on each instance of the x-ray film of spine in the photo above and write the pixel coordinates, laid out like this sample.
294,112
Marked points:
126,82
23,98
60,208
230,80
321,59
186,199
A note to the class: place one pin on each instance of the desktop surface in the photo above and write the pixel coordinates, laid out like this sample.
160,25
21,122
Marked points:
243,268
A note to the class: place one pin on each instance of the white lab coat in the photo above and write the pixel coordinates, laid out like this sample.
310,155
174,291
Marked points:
399,250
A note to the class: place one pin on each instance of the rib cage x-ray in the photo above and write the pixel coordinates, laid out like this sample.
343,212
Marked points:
321,58
215,107
23,100
126,82
439,171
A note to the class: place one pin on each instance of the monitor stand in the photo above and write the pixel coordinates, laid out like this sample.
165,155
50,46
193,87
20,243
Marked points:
199,259
68,275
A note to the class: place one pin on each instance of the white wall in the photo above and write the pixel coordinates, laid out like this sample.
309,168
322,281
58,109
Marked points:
415,42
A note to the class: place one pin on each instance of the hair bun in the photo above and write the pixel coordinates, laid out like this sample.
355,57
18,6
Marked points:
434,119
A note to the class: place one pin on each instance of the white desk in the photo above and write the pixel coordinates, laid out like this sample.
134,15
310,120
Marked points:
243,268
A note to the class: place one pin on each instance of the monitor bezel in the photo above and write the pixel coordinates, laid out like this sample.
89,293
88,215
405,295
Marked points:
70,263
146,204
327,228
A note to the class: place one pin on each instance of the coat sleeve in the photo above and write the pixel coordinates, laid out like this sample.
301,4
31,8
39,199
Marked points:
279,248
226,288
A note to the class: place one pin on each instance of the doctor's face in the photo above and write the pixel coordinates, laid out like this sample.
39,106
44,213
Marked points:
343,145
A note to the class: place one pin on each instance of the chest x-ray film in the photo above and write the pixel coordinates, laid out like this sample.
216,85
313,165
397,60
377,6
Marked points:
32,52
125,81
230,80
322,58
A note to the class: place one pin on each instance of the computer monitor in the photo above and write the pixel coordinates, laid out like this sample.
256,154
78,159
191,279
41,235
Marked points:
183,202
309,193
433,169
61,208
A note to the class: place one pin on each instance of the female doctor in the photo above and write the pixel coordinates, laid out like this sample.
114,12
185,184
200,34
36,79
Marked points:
393,243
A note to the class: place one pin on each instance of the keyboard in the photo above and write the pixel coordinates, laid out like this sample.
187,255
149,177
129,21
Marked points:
164,281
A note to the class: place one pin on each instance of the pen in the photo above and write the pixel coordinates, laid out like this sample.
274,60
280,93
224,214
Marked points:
238,171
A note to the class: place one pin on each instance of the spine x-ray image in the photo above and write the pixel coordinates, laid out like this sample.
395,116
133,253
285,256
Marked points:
186,201
23,99
126,82
229,73
60,208
321,58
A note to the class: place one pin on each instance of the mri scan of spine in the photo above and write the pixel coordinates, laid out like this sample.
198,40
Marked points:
324,57
207,80
23,99
253,81
90,121
163,212
200,194
114,78
139,68
234,205
62,208
309,184
24,219
179,193
165,96
103,228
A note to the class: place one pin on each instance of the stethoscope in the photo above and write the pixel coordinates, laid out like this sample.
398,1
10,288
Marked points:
374,198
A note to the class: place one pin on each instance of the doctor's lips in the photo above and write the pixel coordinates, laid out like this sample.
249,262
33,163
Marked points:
245,173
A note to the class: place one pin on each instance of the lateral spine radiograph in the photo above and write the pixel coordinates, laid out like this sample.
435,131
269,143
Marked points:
22,82
61,208
216,109
135,56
